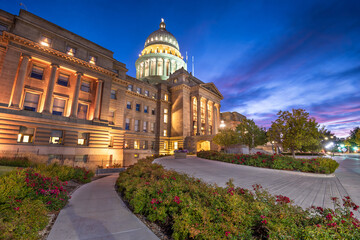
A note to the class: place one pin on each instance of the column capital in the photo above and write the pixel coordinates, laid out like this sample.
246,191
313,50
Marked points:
24,55
79,73
99,80
55,65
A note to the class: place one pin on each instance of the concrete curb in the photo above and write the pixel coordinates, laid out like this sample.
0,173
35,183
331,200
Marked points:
260,169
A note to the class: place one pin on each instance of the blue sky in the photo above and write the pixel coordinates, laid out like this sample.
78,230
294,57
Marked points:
264,56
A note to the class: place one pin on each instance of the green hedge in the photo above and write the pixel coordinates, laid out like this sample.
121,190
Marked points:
188,208
314,165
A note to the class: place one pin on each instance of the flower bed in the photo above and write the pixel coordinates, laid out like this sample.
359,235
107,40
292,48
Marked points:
314,165
187,208
28,195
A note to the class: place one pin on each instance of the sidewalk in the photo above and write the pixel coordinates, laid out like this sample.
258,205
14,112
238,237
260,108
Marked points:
95,211
305,189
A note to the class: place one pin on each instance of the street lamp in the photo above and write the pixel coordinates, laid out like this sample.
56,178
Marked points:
222,124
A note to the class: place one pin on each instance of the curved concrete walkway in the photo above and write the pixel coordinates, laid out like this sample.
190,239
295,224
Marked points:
305,189
95,211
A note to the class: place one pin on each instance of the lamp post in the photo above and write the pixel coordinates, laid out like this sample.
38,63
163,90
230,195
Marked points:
222,124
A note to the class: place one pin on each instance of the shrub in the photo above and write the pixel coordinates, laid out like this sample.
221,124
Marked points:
65,173
22,219
15,162
315,165
188,208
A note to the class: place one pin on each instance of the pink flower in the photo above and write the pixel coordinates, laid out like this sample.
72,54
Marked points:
263,217
227,234
16,209
264,221
177,200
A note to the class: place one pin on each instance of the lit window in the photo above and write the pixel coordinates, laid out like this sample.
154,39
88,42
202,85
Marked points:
137,125
145,126
128,105
165,133
126,144
130,87
153,95
138,107
82,111
26,135
45,41
152,127
111,117
92,59
31,101
63,80
166,97
113,94
136,144
146,93
165,115
127,124
175,145
138,90
58,106
111,141
56,137
83,139
70,51
37,72
2,28
85,86
146,109
144,145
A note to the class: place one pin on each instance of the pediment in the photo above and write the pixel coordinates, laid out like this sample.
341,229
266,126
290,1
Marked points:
211,87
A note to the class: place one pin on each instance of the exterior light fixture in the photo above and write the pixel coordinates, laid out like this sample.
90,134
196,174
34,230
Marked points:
45,41
222,124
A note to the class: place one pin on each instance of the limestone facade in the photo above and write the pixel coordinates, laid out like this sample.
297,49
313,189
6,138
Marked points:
65,97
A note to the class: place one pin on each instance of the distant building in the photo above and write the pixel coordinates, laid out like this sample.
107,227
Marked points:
231,119
66,97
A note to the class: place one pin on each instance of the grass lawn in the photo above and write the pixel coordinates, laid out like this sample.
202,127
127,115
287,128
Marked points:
5,169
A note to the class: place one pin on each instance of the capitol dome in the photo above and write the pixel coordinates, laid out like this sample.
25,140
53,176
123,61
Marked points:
160,57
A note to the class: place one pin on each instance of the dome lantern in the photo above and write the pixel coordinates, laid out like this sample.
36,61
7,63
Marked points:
162,24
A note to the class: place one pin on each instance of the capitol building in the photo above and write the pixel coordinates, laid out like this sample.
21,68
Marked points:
67,98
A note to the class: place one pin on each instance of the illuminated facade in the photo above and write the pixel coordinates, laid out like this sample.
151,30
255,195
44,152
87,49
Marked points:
65,97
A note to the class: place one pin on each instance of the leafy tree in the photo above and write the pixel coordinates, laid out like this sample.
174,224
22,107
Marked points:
226,138
250,134
354,138
294,130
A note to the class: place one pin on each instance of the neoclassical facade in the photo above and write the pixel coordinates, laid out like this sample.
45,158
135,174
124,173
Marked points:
65,97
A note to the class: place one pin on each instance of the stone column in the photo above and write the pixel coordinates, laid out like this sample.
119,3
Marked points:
19,86
191,116
198,132
156,66
76,95
163,67
213,119
50,89
170,65
143,70
97,99
206,117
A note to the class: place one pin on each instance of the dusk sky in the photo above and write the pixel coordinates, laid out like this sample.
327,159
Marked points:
264,56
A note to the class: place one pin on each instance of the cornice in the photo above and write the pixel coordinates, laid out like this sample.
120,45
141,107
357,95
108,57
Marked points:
29,43
140,95
180,86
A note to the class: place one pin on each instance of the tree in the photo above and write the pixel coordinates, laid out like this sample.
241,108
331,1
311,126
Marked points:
354,139
226,138
294,130
250,134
